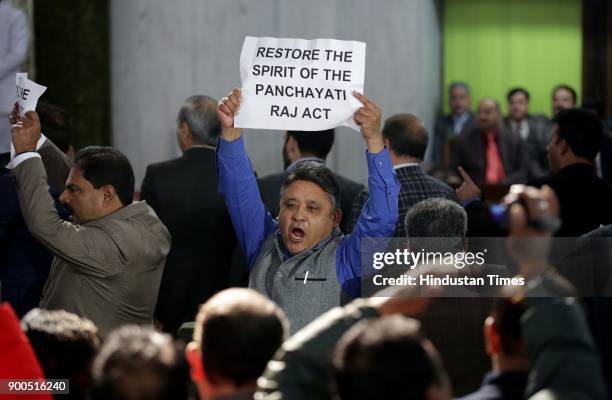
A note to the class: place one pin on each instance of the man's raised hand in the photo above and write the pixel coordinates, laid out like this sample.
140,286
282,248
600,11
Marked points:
25,132
227,108
468,189
368,117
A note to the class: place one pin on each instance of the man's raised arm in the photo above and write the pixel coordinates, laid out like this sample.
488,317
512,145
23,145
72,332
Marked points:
237,183
95,251
380,212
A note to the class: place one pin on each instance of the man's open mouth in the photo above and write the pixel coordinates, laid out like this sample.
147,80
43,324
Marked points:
296,234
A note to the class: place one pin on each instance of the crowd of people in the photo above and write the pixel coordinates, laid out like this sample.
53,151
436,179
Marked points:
104,284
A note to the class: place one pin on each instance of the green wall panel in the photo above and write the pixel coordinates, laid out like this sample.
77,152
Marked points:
72,60
495,45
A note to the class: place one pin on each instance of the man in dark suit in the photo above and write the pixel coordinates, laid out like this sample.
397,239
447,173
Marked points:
302,146
584,198
448,127
489,153
183,193
534,131
406,138
504,344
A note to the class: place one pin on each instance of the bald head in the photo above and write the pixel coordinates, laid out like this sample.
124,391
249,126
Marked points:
488,115
406,136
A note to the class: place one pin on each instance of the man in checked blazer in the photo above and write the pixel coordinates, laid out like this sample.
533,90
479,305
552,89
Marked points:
406,138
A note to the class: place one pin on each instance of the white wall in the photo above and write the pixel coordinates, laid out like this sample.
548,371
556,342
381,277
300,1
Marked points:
164,51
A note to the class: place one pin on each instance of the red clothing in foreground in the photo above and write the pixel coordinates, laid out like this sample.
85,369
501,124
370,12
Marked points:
17,359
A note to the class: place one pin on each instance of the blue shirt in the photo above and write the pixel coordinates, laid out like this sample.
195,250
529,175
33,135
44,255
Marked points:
253,223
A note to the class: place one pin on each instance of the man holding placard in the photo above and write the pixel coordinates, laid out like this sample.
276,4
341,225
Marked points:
302,261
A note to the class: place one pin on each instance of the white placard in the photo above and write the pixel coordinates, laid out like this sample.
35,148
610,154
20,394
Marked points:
19,76
28,93
298,84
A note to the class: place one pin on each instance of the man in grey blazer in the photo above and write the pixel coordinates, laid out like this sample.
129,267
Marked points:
109,261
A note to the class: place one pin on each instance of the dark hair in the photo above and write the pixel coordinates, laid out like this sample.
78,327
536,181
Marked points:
238,330
65,345
507,314
318,143
384,359
107,166
582,131
569,89
317,173
200,114
514,91
429,222
460,85
407,135
136,362
56,124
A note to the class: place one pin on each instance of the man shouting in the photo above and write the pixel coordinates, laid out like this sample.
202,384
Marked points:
302,261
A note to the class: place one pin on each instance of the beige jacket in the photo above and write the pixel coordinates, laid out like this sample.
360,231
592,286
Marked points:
108,270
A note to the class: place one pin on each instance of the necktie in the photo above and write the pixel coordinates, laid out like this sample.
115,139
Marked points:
495,168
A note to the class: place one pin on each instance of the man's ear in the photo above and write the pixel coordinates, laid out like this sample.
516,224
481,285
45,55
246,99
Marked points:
491,336
109,194
337,217
292,148
194,358
184,134
564,147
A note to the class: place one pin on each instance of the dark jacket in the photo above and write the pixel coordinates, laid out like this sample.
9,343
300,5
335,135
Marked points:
183,193
507,385
470,153
24,262
444,135
536,144
585,199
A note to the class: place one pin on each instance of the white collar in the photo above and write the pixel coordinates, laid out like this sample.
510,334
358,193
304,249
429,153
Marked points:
409,164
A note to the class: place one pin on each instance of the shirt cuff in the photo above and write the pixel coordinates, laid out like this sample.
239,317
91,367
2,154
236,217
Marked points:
469,201
381,163
18,159
21,158
232,149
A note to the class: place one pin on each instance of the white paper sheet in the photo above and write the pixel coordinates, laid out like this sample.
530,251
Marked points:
298,84
28,93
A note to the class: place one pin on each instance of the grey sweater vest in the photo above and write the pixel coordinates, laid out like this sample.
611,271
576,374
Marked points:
304,286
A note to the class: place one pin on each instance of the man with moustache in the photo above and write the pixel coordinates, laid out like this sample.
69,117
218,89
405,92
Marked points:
302,261
109,261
